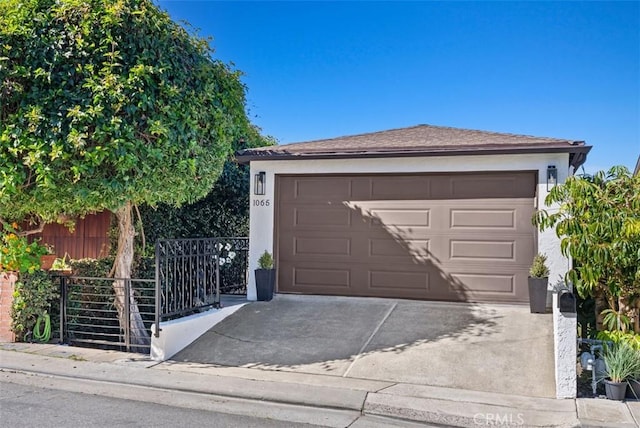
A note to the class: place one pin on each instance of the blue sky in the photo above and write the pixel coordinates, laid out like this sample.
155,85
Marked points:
325,69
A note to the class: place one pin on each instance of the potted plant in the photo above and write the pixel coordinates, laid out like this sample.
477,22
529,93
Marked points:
623,363
634,387
634,380
538,281
61,267
265,277
46,260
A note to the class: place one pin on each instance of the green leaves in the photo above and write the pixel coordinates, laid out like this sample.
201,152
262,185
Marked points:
33,295
107,102
599,226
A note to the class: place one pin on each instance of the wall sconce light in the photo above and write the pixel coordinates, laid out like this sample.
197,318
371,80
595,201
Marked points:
552,177
259,183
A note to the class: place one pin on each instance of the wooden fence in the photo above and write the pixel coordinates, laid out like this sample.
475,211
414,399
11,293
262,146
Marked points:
90,239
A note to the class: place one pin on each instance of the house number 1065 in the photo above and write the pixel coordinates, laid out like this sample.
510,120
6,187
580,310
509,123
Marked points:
261,202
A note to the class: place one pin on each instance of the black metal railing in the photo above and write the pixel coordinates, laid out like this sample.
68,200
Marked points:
117,313
192,273
108,313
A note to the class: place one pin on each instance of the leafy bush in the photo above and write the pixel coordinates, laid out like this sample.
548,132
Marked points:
223,212
539,267
598,225
98,268
265,261
616,336
16,253
622,361
33,296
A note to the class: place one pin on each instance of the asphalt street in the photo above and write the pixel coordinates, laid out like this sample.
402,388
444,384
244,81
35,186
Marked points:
33,406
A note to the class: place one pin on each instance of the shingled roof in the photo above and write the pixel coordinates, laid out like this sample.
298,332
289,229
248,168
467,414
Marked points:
420,140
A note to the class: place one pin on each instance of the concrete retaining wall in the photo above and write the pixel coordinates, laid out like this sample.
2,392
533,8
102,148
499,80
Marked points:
175,335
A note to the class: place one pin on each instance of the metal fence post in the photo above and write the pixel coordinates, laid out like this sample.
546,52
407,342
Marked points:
127,313
216,301
63,306
158,291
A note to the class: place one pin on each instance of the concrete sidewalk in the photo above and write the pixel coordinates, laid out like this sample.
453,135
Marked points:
336,401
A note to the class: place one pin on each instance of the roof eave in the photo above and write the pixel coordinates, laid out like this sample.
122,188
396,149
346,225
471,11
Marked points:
578,154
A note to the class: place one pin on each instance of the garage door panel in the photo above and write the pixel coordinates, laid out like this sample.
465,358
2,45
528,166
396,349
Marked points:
386,187
315,246
486,186
321,276
387,239
392,281
400,217
325,217
510,251
316,189
486,283
482,250
334,250
482,218
390,249
499,287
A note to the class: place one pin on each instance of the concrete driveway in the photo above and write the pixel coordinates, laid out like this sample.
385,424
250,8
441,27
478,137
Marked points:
482,347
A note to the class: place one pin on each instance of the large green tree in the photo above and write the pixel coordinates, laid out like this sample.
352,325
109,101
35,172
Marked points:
107,104
598,222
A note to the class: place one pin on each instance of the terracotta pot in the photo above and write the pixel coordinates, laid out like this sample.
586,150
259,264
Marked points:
46,261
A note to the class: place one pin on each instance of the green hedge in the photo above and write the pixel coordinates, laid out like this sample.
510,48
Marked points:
143,268
34,295
223,212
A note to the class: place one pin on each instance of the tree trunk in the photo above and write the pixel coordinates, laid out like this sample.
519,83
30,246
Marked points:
600,305
122,269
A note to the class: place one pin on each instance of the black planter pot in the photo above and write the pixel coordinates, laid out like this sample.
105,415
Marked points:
615,390
633,391
538,295
265,280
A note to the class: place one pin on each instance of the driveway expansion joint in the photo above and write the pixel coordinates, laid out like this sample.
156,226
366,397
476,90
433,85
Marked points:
217,333
370,338
386,387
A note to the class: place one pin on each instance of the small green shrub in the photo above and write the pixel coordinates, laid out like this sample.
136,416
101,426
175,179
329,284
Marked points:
617,336
16,253
60,264
265,261
98,268
539,267
143,267
622,361
33,296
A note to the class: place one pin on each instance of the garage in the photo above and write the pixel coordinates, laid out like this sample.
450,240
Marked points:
425,212
454,237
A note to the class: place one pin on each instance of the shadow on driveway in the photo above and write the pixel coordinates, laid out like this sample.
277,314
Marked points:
496,348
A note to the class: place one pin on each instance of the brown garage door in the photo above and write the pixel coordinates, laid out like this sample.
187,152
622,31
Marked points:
461,237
